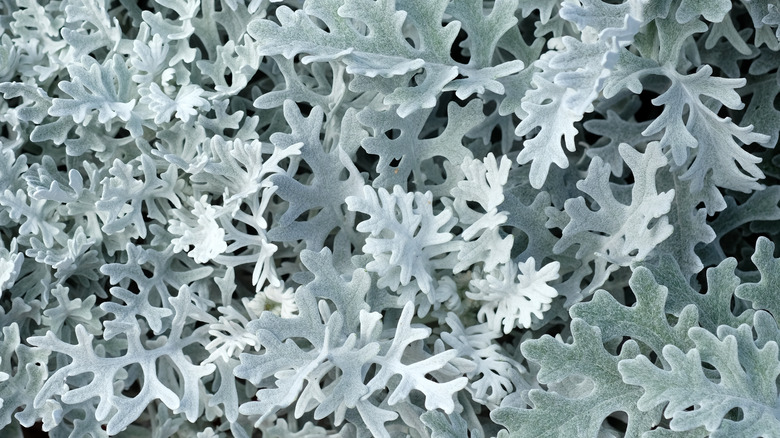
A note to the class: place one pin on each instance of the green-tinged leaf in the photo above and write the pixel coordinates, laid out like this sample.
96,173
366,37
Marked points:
745,380
576,410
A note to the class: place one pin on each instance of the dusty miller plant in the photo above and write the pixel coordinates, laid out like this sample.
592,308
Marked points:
389,218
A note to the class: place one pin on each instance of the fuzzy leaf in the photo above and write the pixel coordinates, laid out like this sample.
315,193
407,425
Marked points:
581,411
746,380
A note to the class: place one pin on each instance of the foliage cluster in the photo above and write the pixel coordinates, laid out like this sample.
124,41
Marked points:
389,218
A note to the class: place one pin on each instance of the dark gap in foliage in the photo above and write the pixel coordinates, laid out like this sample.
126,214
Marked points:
14,102
617,421
260,78
735,414
622,342
686,114
344,210
457,53
489,108
250,230
539,31
732,242
392,134
32,149
629,298
761,152
566,276
504,54
35,431
741,19
395,162
136,376
653,357
725,111
132,287
244,278
505,230
439,115
197,44
344,175
222,33
496,135
168,14
701,278
409,31
429,131
527,28
319,23
532,133
653,86
302,343
435,173
241,251
475,206
304,170
366,162
648,111
584,283
717,71
327,145
505,339
436,120
165,365
411,184
710,372
746,99
146,220
416,79
520,244
307,215
122,133
304,108
591,138
650,224
707,366
329,242
229,132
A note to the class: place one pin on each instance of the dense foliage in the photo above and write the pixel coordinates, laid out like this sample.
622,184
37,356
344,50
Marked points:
389,218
